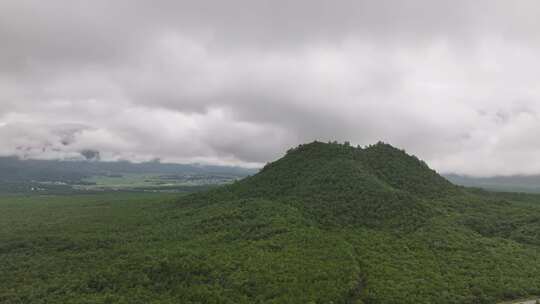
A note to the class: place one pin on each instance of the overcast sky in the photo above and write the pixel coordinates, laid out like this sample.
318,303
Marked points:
238,82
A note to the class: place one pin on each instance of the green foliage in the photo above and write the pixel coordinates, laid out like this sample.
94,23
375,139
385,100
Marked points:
405,172
332,184
327,223
125,248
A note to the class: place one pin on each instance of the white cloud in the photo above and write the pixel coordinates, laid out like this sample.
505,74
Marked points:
182,81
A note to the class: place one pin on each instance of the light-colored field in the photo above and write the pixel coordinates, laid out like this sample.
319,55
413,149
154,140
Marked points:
134,181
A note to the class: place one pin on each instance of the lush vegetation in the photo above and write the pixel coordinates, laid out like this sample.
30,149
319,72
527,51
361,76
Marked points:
327,223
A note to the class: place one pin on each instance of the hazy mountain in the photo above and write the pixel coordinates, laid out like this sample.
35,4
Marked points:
66,176
15,169
515,183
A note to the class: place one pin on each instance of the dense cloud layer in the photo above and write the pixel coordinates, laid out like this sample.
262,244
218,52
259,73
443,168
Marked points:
238,82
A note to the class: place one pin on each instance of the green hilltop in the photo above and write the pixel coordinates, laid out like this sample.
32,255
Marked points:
332,223
340,185
326,223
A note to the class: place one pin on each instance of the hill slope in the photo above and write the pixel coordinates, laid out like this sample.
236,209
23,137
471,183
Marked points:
413,237
431,228
342,185
327,223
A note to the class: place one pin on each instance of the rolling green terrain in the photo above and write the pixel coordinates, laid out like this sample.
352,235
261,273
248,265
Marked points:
327,223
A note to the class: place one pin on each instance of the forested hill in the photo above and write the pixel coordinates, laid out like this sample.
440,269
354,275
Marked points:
332,223
325,168
325,224
340,184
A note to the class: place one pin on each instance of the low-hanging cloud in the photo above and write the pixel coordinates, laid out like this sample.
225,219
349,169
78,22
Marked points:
239,82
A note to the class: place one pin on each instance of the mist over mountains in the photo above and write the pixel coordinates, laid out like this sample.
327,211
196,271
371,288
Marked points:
512,183
15,169
269,152
27,175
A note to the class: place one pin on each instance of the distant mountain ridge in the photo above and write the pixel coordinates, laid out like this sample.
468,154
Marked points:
15,169
512,183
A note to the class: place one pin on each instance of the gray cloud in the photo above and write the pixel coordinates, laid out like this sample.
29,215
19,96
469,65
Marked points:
238,82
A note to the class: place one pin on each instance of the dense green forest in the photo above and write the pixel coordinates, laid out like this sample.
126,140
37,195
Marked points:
327,223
